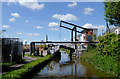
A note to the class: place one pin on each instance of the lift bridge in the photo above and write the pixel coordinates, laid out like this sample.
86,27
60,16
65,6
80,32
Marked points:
72,46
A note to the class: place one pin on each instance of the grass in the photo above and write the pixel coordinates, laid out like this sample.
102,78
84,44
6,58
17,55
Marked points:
105,63
32,56
26,68
89,55
6,66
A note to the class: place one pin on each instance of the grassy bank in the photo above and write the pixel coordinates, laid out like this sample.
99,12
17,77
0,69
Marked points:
32,56
6,65
27,68
106,56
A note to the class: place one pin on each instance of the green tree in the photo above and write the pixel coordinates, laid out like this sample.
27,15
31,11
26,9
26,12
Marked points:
112,12
1,31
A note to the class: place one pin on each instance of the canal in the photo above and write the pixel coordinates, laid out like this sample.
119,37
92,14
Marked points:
69,68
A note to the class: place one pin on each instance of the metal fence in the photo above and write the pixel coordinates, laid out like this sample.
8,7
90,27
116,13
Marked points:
11,50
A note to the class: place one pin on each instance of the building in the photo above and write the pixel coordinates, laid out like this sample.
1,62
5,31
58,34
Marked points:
114,30
88,35
117,30
11,50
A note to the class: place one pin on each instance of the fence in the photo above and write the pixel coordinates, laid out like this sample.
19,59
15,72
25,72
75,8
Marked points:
11,50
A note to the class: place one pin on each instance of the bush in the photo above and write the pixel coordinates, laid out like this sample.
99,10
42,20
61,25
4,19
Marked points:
109,44
106,56
91,47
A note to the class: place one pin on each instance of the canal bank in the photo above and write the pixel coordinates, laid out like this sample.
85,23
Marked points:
31,68
106,55
65,67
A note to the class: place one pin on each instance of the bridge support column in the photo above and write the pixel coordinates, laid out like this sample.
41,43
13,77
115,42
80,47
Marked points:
31,49
34,48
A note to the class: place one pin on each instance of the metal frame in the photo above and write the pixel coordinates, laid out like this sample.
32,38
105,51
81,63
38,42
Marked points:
32,44
73,29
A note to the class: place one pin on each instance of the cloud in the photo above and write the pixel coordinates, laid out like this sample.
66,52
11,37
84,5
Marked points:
54,29
15,15
65,39
5,26
32,4
19,33
33,34
12,19
72,5
38,27
52,24
26,20
87,11
67,17
100,27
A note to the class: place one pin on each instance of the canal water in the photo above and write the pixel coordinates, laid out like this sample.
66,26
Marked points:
69,68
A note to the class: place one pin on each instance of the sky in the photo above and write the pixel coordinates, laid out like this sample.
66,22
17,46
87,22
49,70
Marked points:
32,21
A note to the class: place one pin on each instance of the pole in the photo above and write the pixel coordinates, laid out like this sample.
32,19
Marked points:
72,35
75,34
75,37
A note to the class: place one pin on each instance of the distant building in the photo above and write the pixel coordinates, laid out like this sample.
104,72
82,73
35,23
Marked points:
114,30
11,49
117,31
88,35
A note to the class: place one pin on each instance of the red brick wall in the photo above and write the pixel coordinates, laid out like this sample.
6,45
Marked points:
78,38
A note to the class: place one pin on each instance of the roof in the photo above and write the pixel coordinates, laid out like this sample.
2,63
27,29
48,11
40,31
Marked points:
79,35
83,31
92,28
113,29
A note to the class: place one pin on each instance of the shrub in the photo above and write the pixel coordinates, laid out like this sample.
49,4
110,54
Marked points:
91,47
109,44
106,56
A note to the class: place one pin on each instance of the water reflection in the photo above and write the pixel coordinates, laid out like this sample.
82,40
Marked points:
66,68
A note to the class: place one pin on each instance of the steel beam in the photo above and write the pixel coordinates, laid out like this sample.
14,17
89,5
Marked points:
69,28
73,25
69,42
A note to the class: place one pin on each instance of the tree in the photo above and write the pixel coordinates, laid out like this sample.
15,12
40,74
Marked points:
1,31
112,12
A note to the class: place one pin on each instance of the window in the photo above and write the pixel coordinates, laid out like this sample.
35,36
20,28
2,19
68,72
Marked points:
116,32
86,32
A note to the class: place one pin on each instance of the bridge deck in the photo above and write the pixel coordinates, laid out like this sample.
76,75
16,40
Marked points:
69,42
